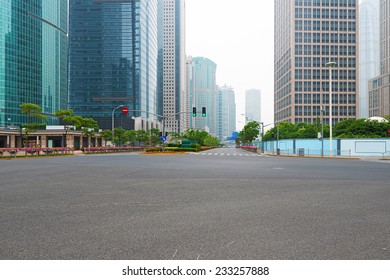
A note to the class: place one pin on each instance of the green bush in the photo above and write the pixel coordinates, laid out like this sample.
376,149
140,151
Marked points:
171,148
172,145
153,150
197,147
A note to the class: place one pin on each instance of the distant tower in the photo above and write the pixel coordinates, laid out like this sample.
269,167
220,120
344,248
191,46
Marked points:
308,35
379,87
369,51
173,68
253,105
226,112
205,94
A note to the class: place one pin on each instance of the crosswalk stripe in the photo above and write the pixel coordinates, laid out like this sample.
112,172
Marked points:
223,154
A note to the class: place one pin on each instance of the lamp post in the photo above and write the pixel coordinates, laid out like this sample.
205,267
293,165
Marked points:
330,65
322,129
112,121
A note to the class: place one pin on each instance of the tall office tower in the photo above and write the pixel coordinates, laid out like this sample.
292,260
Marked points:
205,94
253,105
379,87
308,35
369,51
113,61
190,73
33,57
226,112
173,67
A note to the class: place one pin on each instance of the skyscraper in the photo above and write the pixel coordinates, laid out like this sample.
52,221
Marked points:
172,64
226,112
190,72
308,35
369,51
379,87
113,60
253,105
205,94
33,57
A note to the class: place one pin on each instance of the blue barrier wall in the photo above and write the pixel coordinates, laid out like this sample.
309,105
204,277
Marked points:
341,147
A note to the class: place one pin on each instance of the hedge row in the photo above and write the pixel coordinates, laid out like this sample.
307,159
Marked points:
171,149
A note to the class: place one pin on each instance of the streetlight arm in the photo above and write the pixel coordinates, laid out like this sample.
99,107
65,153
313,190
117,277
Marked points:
112,120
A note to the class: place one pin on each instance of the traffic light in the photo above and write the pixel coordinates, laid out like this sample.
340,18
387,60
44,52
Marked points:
388,133
203,111
194,111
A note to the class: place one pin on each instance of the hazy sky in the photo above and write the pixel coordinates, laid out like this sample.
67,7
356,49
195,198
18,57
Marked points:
238,37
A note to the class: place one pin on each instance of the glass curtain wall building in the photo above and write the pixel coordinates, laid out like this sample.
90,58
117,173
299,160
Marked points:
308,35
226,112
253,105
205,94
33,58
113,60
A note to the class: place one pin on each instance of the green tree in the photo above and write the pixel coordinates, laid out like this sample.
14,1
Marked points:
211,141
120,136
250,132
361,128
154,136
34,114
106,135
32,111
196,135
141,136
131,136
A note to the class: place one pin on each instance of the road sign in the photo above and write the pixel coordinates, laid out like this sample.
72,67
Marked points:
163,138
125,110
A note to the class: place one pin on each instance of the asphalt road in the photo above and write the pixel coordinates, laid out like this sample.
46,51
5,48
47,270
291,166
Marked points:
220,204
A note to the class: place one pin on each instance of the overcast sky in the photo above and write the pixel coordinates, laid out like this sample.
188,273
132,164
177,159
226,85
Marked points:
238,37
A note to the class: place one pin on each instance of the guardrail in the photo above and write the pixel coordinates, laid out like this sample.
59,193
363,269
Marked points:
128,149
14,152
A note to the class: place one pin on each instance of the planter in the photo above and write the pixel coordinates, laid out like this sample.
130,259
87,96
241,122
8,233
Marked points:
12,152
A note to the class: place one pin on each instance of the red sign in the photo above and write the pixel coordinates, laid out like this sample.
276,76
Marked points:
125,110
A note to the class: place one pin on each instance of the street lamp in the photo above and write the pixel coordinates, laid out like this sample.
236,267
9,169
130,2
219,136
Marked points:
112,121
330,65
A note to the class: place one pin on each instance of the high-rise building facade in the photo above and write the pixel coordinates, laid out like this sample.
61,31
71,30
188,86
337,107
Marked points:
33,58
308,35
205,94
190,73
379,87
253,105
172,65
369,51
113,61
226,112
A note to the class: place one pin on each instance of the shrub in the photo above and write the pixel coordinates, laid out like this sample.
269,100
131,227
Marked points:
153,150
196,146
172,145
